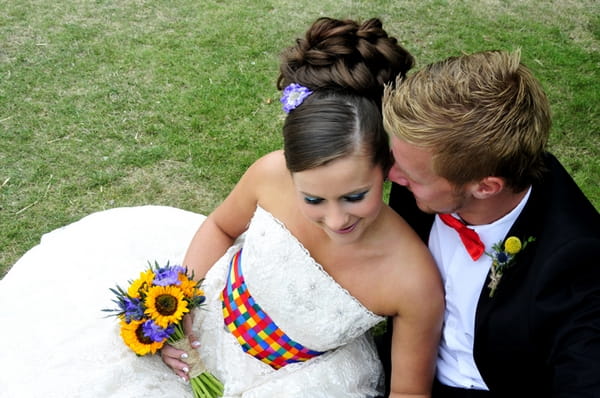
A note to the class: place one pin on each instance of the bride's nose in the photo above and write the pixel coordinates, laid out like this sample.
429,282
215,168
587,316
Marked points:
336,218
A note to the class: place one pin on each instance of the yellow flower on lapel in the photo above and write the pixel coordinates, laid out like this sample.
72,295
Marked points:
512,245
503,256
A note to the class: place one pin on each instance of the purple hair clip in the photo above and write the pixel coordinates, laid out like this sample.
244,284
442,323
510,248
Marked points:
293,95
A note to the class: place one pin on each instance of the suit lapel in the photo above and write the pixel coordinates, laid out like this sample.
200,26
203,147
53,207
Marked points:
525,226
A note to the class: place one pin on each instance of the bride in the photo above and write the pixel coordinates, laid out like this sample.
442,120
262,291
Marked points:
299,262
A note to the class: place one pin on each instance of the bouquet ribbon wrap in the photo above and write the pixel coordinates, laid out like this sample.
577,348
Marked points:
193,360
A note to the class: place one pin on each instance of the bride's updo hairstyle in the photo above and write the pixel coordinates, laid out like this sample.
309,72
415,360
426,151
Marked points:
346,66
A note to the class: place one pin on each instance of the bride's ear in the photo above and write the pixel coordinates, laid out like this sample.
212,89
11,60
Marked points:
488,187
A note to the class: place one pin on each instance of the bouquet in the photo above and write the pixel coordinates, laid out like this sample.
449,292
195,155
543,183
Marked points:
150,313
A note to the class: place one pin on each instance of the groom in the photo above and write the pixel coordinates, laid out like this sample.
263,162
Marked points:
516,241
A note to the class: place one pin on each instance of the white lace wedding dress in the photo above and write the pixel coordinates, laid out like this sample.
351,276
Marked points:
57,342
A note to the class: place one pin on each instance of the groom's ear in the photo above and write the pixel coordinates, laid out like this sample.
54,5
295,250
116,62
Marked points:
488,187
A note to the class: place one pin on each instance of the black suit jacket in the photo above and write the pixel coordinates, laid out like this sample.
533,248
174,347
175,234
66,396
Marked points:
539,335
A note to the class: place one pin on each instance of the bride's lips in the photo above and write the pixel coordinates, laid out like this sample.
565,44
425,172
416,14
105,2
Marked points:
347,230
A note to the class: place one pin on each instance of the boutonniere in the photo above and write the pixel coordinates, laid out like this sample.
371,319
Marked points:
503,256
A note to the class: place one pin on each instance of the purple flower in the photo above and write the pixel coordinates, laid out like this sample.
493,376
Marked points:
168,276
155,332
132,308
293,95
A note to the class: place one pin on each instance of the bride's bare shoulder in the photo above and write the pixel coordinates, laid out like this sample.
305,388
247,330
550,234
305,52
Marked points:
270,165
269,178
410,262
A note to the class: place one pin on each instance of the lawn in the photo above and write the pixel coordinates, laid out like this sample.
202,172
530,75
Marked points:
111,103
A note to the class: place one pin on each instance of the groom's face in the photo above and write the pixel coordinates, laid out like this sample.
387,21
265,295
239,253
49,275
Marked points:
413,168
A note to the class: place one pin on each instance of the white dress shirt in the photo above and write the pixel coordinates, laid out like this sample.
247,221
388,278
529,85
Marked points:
463,280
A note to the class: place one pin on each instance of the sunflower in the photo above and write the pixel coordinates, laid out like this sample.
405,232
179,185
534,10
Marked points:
165,304
189,287
133,335
141,284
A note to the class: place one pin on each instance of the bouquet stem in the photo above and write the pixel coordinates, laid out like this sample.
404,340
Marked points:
204,384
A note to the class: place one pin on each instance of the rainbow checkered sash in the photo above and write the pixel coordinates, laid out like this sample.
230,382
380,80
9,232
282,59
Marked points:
256,332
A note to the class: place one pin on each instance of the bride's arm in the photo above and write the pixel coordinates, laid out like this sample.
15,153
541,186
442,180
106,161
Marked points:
416,328
231,218
216,234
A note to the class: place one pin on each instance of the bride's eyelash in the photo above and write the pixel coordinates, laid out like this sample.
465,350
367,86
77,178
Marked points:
312,200
357,197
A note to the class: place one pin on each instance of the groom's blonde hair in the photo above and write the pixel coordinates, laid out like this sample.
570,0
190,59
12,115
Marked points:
482,114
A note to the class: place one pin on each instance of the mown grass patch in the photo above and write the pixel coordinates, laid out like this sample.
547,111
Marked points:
106,103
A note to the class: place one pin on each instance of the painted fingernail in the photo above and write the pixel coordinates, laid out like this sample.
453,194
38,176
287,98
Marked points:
195,344
185,369
184,355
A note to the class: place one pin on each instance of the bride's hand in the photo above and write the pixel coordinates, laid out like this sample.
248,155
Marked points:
175,358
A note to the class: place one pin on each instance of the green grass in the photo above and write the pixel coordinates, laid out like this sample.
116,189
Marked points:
108,103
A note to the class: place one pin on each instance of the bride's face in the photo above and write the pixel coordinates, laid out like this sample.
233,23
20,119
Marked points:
342,197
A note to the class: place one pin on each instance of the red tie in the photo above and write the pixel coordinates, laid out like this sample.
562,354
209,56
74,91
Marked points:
469,237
